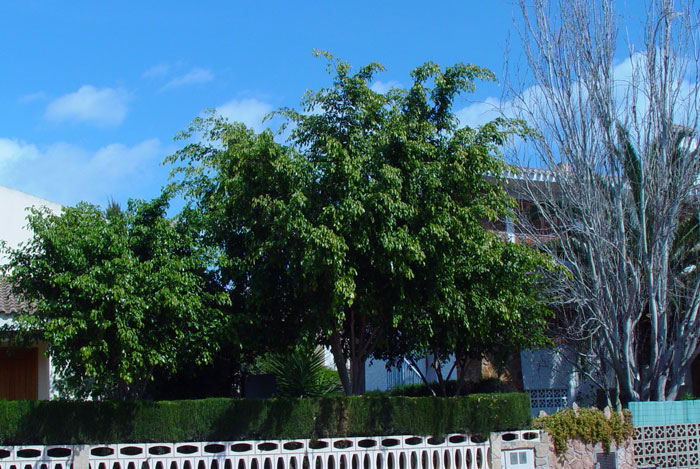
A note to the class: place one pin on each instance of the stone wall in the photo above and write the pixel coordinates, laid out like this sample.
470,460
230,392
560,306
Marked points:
579,455
535,440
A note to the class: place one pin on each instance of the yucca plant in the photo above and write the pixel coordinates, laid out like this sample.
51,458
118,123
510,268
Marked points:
301,373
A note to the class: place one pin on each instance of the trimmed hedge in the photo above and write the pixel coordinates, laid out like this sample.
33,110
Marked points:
64,422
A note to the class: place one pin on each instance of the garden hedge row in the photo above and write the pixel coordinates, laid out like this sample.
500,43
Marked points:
64,422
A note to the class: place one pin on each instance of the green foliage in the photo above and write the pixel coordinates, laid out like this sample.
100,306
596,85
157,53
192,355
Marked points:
64,422
370,219
588,425
301,373
116,294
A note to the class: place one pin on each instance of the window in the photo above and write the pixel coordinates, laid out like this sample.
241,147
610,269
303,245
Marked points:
519,459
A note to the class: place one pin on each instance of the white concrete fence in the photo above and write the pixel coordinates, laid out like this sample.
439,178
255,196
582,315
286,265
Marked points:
455,451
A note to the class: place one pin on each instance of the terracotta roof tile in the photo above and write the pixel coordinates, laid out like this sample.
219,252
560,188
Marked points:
9,303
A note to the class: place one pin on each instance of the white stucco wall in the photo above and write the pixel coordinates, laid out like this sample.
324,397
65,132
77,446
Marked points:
13,214
13,230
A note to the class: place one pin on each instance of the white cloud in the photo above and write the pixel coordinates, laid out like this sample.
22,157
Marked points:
193,77
157,71
384,86
68,173
12,151
479,113
101,107
249,111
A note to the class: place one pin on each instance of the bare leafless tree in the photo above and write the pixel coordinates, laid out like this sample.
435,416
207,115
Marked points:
613,181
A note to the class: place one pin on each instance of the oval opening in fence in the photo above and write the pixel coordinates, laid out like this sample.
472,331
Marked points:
59,452
389,442
102,451
158,450
342,444
131,450
478,438
318,444
367,443
28,453
267,446
436,460
293,445
241,447
457,439
186,449
4,454
436,440
414,440
214,448
509,437
531,435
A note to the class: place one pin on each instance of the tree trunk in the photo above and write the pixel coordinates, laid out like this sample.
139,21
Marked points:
357,369
340,362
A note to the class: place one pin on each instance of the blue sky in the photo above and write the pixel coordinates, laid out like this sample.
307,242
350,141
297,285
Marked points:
92,93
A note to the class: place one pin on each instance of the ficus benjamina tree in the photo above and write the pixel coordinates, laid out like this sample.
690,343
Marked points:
368,224
116,294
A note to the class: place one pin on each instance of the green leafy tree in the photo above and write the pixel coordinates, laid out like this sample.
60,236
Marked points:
116,294
371,214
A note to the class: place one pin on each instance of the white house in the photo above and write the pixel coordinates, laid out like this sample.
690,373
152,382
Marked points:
25,373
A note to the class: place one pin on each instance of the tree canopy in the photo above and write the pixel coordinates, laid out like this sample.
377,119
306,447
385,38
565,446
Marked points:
370,219
116,294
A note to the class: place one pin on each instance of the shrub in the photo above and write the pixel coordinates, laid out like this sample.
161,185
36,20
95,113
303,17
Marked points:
63,422
588,425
